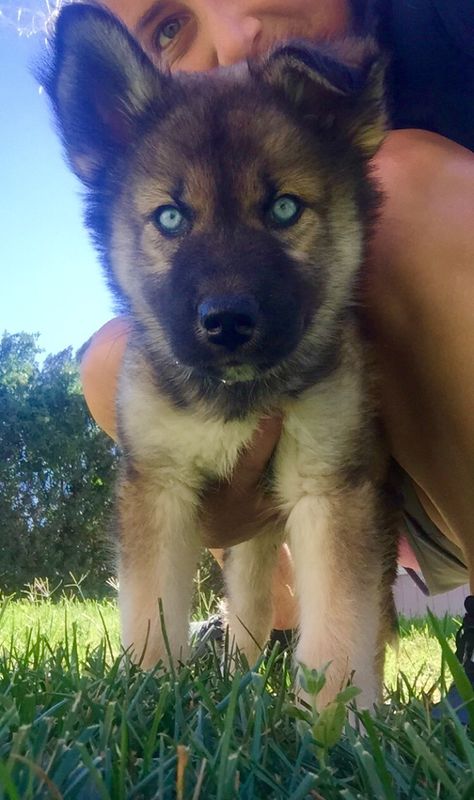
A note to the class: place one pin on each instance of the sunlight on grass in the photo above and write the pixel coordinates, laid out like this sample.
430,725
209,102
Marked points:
418,655
91,620
77,723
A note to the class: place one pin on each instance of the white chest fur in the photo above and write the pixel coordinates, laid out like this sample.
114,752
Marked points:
189,446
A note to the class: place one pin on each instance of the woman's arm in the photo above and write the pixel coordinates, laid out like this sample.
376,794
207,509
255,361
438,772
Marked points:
420,306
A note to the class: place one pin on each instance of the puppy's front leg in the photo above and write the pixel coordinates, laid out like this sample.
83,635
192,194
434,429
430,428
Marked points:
248,574
338,556
158,553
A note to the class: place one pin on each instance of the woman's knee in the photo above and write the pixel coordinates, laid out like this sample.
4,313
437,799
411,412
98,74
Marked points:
423,238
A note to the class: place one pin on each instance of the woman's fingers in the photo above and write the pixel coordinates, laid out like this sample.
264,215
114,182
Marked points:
232,510
253,461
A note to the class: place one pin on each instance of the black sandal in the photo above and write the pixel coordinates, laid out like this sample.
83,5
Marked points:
465,639
465,656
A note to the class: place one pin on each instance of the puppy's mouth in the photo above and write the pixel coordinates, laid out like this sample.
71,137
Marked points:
253,365
239,373
215,358
230,372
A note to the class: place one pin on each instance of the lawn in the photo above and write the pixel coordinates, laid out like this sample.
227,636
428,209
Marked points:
77,720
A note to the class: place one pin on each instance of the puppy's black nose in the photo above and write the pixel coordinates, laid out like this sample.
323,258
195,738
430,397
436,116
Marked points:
229,320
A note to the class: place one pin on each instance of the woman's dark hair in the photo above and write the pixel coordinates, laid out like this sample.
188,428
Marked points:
364,16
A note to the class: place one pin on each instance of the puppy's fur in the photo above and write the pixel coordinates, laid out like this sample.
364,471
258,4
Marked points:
238,313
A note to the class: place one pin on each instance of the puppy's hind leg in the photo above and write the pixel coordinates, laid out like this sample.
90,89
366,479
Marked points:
158,553
248,574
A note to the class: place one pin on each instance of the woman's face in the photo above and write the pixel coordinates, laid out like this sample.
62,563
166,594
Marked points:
197,35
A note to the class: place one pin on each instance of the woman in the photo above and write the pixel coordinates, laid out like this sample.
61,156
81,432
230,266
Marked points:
419,290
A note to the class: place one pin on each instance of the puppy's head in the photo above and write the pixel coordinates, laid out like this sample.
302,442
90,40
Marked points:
230,208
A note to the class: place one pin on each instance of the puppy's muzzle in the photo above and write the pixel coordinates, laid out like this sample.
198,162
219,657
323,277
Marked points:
228,321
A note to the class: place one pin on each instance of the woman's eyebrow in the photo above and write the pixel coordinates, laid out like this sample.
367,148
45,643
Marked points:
158,7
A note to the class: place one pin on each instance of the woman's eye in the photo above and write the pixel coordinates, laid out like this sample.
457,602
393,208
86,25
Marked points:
169,220
285,210
167,32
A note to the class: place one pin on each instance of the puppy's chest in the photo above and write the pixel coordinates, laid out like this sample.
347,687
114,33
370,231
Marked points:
189,446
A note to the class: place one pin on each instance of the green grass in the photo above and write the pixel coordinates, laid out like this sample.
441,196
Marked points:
79,721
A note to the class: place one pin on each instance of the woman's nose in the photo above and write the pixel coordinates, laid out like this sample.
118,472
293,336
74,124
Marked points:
236,38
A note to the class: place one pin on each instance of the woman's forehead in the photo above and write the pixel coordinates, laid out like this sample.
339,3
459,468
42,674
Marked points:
130,11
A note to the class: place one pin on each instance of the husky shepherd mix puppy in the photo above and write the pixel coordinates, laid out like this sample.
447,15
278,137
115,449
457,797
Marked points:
232,211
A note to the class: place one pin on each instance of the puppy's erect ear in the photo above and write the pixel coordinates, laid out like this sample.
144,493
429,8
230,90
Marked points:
101,84
338,87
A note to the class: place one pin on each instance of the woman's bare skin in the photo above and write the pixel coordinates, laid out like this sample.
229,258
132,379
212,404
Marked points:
419,301
419,289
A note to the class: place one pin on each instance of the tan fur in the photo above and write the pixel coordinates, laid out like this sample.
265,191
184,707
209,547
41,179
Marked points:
237,313
333,530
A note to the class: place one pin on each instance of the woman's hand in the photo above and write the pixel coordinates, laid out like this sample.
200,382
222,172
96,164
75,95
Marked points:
231,509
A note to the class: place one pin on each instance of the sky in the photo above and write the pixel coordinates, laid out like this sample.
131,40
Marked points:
50,278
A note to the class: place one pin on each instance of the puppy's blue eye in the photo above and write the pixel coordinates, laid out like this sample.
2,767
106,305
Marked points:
285,210
169,220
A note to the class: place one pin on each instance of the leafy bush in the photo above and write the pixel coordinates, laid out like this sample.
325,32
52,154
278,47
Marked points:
57,473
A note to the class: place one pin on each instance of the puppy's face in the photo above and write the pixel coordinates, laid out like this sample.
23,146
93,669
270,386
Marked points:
221,236
230,210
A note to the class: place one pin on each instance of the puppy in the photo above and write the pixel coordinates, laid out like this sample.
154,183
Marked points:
232,211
